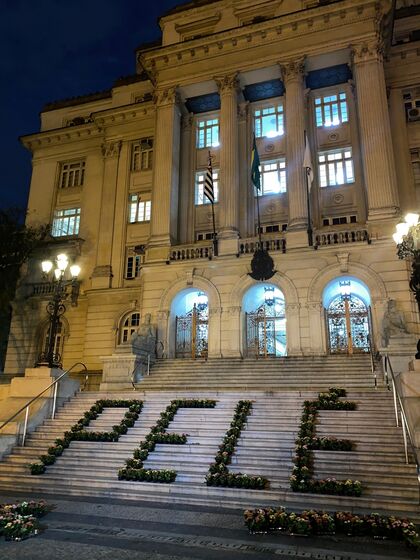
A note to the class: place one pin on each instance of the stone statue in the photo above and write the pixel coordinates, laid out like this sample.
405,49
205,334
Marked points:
393,323
144,339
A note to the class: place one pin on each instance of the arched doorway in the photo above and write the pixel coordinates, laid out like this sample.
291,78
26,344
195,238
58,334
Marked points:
191,310
347,313
265,317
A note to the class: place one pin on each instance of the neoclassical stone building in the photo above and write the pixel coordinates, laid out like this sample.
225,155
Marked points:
120,175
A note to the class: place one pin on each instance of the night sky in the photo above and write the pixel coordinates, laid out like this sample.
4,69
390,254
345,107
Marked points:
55,49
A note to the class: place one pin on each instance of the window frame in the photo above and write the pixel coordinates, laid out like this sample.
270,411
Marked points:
208,142
143,209
342,110
71,174
199,198
279,117
66,219
325,171
139,152
280,162
127,327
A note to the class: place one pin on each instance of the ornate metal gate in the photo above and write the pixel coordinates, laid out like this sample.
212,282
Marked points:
192,333
265,332
348,325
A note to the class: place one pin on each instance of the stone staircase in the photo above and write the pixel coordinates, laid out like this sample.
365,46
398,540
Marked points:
289,373
265,448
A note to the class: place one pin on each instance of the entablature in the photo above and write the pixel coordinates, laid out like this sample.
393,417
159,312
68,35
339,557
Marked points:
353,21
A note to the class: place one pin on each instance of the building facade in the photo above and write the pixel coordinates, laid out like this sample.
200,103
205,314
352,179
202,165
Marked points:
120,176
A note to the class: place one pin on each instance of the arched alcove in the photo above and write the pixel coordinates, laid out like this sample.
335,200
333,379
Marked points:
189,312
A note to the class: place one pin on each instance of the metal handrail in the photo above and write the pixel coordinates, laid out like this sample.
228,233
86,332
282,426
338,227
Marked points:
372,362
404,422
31,401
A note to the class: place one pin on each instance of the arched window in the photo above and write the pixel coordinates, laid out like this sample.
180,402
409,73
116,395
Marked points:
129,325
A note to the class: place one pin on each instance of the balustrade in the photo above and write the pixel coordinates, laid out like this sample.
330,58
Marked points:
249,246
191,252
341,237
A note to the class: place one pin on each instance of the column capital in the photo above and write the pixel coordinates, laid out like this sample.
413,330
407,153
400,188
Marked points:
111,149
371,50
292,69
167,96
228,83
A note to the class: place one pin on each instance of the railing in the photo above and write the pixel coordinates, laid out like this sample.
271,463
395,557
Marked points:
372,362
249,246
42,288
191,252
341,237
408,438
28,404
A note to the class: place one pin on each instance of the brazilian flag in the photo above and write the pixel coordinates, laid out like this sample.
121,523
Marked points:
255,166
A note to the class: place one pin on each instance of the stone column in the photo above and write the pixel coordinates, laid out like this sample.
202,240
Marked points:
120,218
375,131
404,169
229,178
246,192
164,219
292,73
102,274
186,187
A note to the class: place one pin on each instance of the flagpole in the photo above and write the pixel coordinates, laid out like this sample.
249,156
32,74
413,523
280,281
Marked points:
258,216
215,242
309,230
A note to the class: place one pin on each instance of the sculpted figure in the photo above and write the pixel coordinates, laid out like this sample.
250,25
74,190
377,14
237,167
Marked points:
393,323
145,337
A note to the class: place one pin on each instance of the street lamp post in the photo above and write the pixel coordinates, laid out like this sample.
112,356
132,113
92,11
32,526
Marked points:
407,238
55,307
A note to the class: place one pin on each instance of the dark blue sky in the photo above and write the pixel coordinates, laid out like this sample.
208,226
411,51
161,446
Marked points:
54,49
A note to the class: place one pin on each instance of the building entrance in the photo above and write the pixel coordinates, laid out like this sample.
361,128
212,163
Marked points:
266,325
192,328
348,322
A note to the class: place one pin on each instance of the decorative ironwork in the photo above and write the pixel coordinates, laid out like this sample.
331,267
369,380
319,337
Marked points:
192,333
262,266
348,325
265,330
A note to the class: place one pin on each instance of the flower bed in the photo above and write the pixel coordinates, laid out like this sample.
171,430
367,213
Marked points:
78,432
219,474
134,467
302,479
312,522
20,521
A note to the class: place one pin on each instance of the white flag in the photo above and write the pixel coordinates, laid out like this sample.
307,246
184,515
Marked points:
307,163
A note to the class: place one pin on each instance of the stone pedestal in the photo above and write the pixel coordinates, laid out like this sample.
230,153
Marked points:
228,247
120,371
401,349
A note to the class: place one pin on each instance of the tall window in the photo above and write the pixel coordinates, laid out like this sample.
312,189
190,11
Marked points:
139,210
132,267
335,167
200,198
273,177
66,222
142,155
129,326
269,121
207,133
72,174
331,110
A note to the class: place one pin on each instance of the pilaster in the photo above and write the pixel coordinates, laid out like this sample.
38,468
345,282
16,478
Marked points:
229,179
186,188
375,131
292,73
165,182
102,274
403,167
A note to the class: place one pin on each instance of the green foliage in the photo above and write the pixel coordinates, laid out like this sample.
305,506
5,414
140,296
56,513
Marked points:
301,479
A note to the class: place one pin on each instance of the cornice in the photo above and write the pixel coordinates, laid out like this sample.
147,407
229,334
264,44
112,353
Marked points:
297,24
95,129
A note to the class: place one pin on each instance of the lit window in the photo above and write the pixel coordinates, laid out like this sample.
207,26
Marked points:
200,198
269,122
72,174
273,177
132,267
129,326
139,210
142,155
335,167
66,222
331,110
208,133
